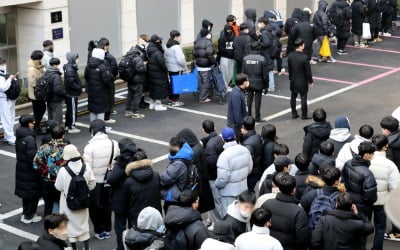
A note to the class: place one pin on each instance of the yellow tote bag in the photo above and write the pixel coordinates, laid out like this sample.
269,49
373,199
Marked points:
325,50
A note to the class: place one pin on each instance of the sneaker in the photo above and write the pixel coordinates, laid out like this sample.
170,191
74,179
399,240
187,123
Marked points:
176,104
356,44
363,45
206,100
380,34
34,219
160,107
11,143
313,62
283,70
372,41
128,113
110,121
341,52
138,115
378,39
108,128
271,90
392,236
73,131
99,236
114,112
387,34
152,105
331,60
106,235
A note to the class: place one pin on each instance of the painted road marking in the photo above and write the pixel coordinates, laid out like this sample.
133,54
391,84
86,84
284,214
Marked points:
376,49
377,77
18,232
330,80
364,64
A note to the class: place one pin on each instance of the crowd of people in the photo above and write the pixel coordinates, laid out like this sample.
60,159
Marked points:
207,197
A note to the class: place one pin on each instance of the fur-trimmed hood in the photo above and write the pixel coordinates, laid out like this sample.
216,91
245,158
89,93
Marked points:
146,163
316,182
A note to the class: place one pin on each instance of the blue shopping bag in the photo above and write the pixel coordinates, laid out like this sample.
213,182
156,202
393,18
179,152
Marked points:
185,83
218,79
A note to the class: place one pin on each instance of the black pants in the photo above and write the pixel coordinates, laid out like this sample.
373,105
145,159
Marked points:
135,92
29,207
111,94
380,227
120,222
367,212
341,43
252,180
257,96
238,130
50,196
278,63
387,21
304,108
173,97
72,111
239,66
100,214
39,108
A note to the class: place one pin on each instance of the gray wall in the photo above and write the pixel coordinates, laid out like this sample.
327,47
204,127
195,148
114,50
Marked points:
260,6
214,10
92,19
157,17
292,4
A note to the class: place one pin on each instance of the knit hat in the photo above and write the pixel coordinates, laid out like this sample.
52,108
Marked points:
70,152
204,32
228,134
342,122
98,53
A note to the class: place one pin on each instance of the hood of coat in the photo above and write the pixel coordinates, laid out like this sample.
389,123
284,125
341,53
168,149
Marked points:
140,170
229,36
56,241
179,217
153,48
358,161
134,51
322,5
22,132
171,43
345,215
319,129
149,219
297,13
356,142
185,153
71,57
94,62
48,53
206,24
340,134
251,14
233,210
52,70
394,140
36,64
341,4
189,136
321,159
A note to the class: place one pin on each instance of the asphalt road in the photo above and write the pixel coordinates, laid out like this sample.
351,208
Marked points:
363,85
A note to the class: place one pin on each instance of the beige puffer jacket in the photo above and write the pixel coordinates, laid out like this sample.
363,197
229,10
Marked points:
35,71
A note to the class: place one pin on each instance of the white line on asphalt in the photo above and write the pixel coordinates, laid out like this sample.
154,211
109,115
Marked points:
6,153
137,137
18,232
160,158
16,212
281,97
198,112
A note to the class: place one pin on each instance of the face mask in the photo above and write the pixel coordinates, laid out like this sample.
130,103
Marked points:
259,26
3,68
62,236
233,23
172,152
76,61
245,214
51,49
208,36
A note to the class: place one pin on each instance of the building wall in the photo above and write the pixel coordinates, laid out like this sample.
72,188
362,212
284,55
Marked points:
260,6
217,14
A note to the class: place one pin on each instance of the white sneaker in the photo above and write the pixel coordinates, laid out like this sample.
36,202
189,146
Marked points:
128,113
25,221
356,44
159,107
283,70
176,104
313,62
108,128
152,105
331,60
73,131
110,121
34,219
363,45
387,34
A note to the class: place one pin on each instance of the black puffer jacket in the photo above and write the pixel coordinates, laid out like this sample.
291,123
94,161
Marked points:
251,15
340,230
268,153
255,66
343,30
142,188
321,19
157,72
205,24
301,184
206,199
293,20
358,17
360,183
241,45
188,220
139,67
319,162
203,53
252,141
225,44
393,152
315,134
27,180
290,222
48,241
266,46
111,63
373,13
99,80
213,146
56,91
306,31
138,239
117,177
72,81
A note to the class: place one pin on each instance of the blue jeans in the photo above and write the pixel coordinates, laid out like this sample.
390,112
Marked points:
271,80
380,227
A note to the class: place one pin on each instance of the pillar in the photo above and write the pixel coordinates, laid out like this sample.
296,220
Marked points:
129,31
281,6
186,10
237,9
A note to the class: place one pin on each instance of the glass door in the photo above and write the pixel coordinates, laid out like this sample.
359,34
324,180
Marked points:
8,41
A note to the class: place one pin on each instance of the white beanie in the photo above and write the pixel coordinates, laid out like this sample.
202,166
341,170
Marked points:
70,152
98,53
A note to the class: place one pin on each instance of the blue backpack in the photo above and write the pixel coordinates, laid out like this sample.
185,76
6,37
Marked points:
320,205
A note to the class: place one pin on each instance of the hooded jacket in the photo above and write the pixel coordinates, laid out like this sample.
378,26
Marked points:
315,134
225,43
72,82
188,220
157,72
139,66
319,162
213,147
241,45
99,80
266,46
339,137
321,19
348,151
175,178
146,231
293,20
290,222
174,57
258,238
343,30
233,166
47,56
255,66
206,200
373,13
35,71
203,53
238,223
306,31
27,180
56,91
393,152
340,230
358,16
142,188
252,141
360,183
251,15
205,24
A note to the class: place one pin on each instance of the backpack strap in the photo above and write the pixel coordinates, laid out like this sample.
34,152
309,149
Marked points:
83,169
70,172
112,152
319,192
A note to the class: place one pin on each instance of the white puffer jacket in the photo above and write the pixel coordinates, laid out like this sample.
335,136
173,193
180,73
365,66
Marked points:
233,166
98,153
346,153
174,58
386,175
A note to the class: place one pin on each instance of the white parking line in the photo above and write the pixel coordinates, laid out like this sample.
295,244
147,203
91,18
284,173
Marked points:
160,158
282,97
18,232
198,112
6,153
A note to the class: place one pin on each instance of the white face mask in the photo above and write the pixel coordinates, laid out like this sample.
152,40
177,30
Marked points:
260,26
62,236
245,214
3,68
208,36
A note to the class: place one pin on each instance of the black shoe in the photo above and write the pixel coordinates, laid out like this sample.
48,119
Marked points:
144,105
260,120
295,116
306,117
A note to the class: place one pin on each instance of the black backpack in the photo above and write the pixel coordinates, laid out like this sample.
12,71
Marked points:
41,90
336,16
276,47
78,196
193,177
126,69
13,92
